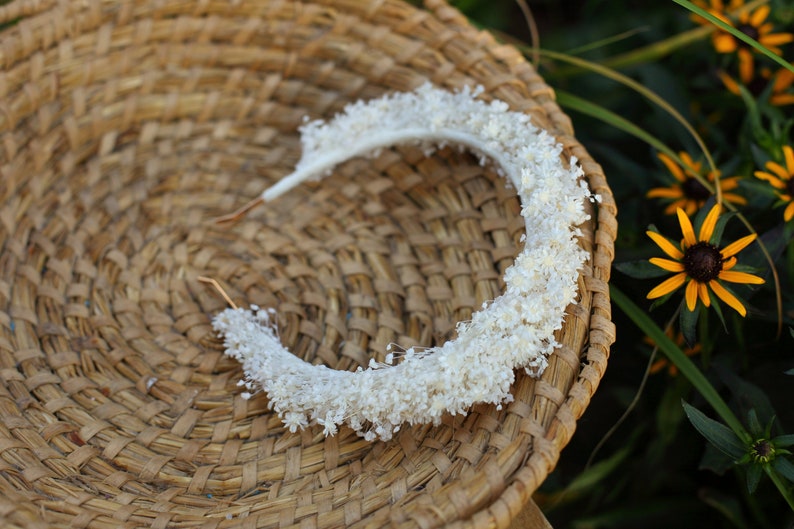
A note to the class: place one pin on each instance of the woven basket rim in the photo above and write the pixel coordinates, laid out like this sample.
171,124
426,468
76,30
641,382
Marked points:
106,422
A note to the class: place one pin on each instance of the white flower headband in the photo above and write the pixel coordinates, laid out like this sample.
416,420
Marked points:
516,330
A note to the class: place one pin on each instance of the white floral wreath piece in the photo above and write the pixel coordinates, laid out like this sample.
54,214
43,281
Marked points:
516,330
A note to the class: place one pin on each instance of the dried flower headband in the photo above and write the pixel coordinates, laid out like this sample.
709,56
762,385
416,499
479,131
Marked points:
516,330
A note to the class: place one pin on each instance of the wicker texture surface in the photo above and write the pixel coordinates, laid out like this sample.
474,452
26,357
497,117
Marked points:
126,128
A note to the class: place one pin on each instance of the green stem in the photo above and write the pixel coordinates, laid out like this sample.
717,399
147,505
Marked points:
655,51
781,485
681,361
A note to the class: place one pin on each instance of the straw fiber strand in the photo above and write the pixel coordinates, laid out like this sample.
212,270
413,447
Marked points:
126,128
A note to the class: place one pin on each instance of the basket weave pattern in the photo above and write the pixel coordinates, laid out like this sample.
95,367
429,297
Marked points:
125,129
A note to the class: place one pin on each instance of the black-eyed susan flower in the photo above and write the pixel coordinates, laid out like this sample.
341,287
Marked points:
753,24
779,95
687,192
700,264
680,341
782,179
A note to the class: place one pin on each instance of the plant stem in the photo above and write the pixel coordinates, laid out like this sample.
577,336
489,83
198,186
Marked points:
652,52
665,47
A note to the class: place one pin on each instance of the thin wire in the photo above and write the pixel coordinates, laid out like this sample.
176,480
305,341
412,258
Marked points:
214,283
236,215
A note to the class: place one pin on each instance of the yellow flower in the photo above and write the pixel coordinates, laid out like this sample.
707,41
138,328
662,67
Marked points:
781,81
701,264
687,192
753,24
679,340
782,179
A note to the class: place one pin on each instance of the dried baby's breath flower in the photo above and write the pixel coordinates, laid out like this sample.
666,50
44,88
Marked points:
516,330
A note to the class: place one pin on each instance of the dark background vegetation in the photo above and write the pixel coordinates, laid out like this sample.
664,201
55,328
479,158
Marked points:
655,470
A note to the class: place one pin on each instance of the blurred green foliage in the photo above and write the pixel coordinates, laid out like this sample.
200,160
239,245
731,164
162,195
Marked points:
654,467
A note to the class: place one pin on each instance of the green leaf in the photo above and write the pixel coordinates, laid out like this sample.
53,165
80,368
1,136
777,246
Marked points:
668,415
715,432
595,475
700,215
641,269
717,308
784,467
754,473
789,372
753,423
687,322
783,441
750,399
714,460
719,228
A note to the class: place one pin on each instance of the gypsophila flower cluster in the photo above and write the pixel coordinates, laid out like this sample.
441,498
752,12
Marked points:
516,330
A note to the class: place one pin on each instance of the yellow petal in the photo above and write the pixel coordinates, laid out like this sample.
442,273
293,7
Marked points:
724,43
780,100
737,246
776,182
665,192
673,167
772,41
691,295
734,198
730,83
730,183
728,298
690,166
759,15
670,284
740,277
666,246
778,169
783,79
746,66
686,228
707,229
657,366
703,294
789,213
667,264
788,153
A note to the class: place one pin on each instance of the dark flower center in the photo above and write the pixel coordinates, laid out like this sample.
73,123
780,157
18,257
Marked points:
695,190
702,262
762,451
749,30
790,186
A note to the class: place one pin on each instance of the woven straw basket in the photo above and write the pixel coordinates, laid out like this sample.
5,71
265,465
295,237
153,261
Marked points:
127,128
